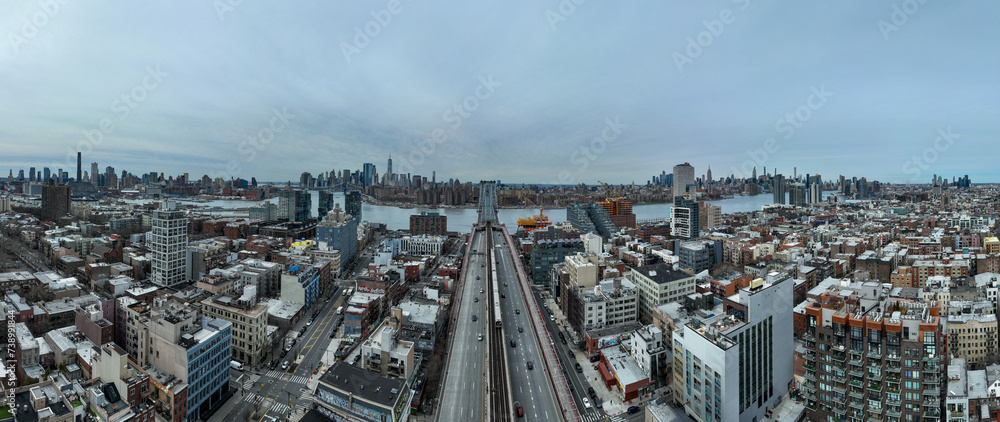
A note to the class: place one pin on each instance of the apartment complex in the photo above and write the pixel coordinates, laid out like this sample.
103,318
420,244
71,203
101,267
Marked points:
870,356
429,223
169,245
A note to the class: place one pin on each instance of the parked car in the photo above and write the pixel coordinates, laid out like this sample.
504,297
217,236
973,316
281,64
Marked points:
590,390
633,410
595,358
579,369
284,365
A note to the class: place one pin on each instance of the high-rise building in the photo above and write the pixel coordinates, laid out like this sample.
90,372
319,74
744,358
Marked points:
325,203
737,365
46,175
55,201
658,284
873,357
304,179
168,245
814,189
797,194
339,231
368,175
429,223
683,179
93,174
79,167
684,220
708,175
590,218
778,188
31,174
294,205
352,204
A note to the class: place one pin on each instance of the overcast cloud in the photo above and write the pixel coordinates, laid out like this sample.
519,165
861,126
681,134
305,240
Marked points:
198,87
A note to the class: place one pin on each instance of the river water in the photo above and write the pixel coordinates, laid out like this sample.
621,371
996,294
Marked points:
462,219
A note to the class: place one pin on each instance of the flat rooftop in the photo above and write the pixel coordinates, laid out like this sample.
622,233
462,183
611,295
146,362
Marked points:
361,383
661,273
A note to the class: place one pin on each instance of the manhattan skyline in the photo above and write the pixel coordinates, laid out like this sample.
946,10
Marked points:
895,92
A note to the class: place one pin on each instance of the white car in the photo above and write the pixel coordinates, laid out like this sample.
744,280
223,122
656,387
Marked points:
586,403
480,336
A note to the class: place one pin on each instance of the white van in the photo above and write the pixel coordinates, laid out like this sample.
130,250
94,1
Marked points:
236,365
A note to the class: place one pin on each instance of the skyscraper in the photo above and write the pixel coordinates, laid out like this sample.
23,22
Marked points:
93,174
46,175
169,245
55,201
79,167
708,175
31,174
778,188
684,219
294,205
368,174
352,204
683,179
325,203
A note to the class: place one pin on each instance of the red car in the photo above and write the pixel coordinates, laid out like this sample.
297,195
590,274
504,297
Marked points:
520,411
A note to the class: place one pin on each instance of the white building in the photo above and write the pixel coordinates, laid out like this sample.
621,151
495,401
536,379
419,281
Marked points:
659,284
730,368
612,302
651,353
422,245
168,243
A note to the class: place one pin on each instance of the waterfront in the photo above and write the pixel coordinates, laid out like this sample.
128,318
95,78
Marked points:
461,219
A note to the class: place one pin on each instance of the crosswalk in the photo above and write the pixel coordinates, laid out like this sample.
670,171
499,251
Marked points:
300,379
306,395
595,417
276,407
250,381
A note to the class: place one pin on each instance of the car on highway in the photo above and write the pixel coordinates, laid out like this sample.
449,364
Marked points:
633,410
517,311
477,277
513,343
473,318
586,403
531,365
475,299
520,329
284,365
480,336
520,410
503,296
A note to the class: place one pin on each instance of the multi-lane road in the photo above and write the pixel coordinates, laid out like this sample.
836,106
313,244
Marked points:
531,387
279,391
462,397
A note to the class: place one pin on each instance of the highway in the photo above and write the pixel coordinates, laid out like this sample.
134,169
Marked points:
462,397
531,387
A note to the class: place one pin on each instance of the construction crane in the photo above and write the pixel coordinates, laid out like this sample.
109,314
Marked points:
536,221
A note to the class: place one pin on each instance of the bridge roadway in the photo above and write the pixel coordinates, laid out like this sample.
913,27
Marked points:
531,387
463,397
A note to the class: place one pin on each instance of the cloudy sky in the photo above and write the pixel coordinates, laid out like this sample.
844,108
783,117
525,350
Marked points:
542,91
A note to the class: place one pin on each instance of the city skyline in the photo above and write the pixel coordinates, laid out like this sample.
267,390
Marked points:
898,93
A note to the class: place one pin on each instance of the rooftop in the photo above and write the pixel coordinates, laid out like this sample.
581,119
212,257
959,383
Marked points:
366,385
662,273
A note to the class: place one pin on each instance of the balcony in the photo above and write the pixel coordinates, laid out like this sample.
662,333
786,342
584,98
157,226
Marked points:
839,357
891,402
859,402
875,387
875,411
893,358
839,390
893,414
857,394
809,357
809,367
856,373
894,369
932,414
856,361
933,392
875,355
808,337
810,377
934,359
